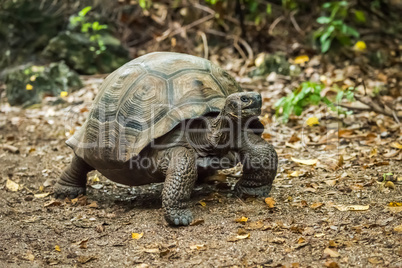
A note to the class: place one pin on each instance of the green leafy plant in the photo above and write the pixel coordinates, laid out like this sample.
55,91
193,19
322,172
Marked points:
252,9
309,93
92,29
334,26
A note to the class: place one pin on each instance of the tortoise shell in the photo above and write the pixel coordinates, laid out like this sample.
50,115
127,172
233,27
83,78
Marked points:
145,99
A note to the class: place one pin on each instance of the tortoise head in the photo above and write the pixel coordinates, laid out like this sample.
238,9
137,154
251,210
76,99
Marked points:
243,105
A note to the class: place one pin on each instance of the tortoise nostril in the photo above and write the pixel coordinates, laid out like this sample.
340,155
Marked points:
244,99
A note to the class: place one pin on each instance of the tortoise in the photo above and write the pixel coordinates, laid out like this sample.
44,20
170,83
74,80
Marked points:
172,118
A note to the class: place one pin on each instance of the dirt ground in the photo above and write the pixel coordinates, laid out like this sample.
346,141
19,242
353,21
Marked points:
334,210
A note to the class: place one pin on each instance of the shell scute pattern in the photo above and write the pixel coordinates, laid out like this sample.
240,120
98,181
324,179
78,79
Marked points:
145,99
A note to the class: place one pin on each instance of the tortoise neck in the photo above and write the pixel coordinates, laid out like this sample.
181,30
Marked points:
225,131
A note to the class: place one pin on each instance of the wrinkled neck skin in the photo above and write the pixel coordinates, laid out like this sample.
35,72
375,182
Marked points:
225,131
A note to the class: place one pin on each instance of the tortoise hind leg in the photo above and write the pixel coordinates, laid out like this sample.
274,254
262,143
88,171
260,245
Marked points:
72,181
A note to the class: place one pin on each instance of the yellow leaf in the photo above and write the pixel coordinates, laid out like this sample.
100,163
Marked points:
308,162
360,46
270,202
301,240
63,94
41,195
12,186
312,121
29,87
373,152
136,235
242,220
396,145
301,59
351,207
202,203
395,204
398,228
390,185
57,248
316,205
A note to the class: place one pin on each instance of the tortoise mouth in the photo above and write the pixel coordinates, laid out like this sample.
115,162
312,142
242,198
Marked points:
252,111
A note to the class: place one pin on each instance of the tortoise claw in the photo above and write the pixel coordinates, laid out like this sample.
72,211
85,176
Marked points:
179,217
63,191
261,191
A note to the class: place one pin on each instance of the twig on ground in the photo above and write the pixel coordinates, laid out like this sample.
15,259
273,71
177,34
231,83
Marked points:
168,33
273,25
205,43
377,107
294,22
236,40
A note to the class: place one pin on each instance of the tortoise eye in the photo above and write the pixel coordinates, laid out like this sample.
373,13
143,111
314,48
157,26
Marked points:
244,99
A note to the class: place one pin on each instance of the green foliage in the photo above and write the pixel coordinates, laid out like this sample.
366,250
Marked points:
309,93
334,26
252,9
27,85
87,46
26,27
75,50
92,29
145,4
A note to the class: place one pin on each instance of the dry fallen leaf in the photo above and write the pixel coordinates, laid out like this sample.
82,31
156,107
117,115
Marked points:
42,195
331,253
351,207
374,260
85,259
93,204
390,185
53,203
330,182
373,152
197,222
396,145
243,236
82,244
398,228
295,174
316,205
241,220
270,202
198,247
308,162
12,186
331,264
254,225
136,235
301,240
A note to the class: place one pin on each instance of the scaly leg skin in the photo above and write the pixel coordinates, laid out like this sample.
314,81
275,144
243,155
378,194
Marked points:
72,181
181,175
260,163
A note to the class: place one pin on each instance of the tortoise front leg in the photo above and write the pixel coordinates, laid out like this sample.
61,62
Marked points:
72,181
181,175
260,163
